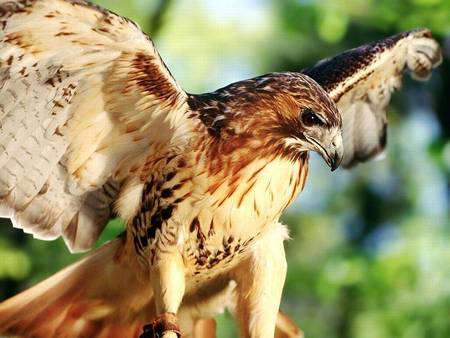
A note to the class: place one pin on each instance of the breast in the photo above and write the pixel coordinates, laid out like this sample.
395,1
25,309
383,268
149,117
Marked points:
240,208
267,188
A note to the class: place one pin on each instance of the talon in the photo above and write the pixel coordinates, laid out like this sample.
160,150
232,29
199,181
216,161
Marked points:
163,326
147,331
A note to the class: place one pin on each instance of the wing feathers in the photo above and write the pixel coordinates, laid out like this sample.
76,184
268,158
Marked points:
80,90
423,55
361,81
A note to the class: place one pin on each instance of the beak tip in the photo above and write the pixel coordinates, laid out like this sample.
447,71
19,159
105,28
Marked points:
334,166
335,162
332,152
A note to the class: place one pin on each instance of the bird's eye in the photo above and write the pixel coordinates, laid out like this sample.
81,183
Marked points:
310,119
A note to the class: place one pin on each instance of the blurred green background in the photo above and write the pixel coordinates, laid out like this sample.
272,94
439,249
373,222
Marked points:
370,249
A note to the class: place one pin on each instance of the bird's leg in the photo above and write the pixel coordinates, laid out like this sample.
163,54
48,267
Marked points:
168,282
205,328
260,279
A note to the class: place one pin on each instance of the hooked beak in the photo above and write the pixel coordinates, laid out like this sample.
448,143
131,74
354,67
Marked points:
332,151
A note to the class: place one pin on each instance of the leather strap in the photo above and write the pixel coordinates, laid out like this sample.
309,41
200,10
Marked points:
166,322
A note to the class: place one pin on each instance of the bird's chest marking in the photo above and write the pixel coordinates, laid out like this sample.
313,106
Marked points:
161,196
215,217
215,242
203,257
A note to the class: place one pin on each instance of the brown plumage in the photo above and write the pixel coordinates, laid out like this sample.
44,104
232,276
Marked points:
96,124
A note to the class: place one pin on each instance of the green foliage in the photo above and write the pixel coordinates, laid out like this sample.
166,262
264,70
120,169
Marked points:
15,263
370,249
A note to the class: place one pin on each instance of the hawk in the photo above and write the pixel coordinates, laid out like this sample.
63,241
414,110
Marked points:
94,125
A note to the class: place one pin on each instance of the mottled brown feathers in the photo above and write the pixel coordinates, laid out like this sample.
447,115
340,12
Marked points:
257,100
255,115
331,72
9,7
147,74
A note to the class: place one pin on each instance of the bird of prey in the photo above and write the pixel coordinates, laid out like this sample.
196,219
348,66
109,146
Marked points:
94,125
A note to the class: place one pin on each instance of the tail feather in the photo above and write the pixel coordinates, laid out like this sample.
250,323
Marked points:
98,296
286,328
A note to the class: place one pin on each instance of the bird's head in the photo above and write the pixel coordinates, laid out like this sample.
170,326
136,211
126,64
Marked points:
306,118
286,113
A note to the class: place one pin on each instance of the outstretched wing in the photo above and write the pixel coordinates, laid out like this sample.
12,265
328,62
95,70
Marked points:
83,94
361,81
